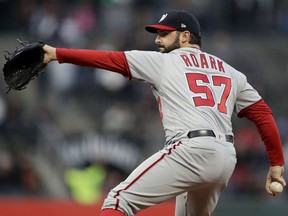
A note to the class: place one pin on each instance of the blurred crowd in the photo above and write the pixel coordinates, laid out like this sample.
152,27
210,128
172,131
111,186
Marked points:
76,132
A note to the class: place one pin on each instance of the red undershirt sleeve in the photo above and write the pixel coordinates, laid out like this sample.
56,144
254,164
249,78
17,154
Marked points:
262,116
109,60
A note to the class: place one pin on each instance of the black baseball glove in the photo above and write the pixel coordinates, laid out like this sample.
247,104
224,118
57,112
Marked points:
23,65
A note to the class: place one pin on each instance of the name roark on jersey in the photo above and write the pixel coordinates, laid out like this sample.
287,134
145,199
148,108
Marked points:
203,61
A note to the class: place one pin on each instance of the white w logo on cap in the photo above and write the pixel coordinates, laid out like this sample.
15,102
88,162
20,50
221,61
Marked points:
163,17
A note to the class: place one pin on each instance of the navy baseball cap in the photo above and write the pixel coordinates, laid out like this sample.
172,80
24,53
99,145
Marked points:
176,20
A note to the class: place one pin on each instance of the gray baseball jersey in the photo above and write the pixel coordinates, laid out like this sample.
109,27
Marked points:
194,91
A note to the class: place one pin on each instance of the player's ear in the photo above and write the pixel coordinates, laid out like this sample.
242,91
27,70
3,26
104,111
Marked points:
185,37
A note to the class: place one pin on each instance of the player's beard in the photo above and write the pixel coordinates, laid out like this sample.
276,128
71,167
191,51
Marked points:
171,47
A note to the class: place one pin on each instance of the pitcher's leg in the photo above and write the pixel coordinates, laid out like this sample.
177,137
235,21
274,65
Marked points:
152,182
205,200
201,199
199,168
199,202
180,207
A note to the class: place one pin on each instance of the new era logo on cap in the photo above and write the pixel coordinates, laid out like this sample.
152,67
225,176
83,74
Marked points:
179,20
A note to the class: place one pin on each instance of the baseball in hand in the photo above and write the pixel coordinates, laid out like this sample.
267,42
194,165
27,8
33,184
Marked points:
276,187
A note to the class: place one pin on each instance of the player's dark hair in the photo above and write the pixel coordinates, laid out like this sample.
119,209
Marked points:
195,39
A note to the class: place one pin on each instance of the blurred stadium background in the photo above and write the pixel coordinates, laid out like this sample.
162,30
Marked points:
75,132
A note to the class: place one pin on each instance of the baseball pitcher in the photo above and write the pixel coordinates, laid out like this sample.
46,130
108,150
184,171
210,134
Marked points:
197,94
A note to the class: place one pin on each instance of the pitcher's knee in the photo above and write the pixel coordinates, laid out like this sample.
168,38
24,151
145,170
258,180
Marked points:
118,202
